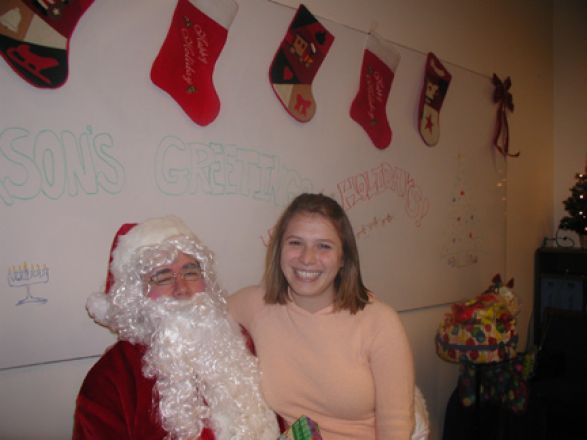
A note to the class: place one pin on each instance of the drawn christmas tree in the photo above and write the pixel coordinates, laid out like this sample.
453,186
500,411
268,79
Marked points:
461,247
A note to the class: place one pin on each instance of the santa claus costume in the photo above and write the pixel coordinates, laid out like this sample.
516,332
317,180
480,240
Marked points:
181,368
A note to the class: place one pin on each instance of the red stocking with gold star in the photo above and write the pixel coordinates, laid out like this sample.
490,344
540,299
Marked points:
436,81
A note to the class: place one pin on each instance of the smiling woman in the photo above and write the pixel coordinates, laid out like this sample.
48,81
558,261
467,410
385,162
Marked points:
322,219
328,348
311,258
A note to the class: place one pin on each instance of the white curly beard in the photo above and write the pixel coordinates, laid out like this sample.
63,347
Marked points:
205,375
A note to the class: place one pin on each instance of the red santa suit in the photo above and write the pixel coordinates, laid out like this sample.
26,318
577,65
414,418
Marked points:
116,399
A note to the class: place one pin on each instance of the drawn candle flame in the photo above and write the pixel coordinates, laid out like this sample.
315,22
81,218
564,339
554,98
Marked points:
25,274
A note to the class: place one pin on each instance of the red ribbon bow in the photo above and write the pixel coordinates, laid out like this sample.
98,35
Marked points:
505,101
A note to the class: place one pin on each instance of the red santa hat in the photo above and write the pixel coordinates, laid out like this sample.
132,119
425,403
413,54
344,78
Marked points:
129,238
123,230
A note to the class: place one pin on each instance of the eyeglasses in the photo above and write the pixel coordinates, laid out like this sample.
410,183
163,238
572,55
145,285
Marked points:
166,277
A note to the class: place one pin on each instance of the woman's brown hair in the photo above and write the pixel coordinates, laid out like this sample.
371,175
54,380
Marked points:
351,293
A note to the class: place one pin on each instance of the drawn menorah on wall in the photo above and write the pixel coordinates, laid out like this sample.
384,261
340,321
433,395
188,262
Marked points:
26,275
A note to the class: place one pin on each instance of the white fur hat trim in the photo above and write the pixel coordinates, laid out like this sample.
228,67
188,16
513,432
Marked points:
97,306
148,233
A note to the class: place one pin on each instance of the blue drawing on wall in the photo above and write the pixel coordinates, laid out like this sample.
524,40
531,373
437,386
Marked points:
25,275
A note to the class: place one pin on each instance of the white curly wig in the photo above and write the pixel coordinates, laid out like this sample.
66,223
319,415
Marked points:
136,251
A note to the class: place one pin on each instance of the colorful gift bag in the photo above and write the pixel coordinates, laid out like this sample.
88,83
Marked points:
481,330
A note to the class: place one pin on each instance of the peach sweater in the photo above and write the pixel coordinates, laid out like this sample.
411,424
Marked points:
352,374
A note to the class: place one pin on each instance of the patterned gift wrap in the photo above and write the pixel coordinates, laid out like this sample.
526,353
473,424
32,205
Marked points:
481,330
477,343
303,428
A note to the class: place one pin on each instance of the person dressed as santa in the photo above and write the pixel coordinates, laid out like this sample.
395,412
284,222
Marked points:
181,369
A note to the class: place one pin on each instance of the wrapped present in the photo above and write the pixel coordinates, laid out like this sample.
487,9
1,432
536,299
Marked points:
483,329
303,428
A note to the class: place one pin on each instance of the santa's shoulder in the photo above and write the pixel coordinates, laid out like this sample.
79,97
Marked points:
120,365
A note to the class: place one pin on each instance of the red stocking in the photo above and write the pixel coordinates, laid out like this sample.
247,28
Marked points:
436,81
185,63
34,37
377,73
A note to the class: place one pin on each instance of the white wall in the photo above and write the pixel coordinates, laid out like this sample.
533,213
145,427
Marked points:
570,112
508,38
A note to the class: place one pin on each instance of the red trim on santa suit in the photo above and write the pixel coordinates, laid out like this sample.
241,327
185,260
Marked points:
116,400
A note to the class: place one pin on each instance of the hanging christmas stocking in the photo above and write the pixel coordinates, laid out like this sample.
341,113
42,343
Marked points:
34,37
368,108
185,63
436,81
296,62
